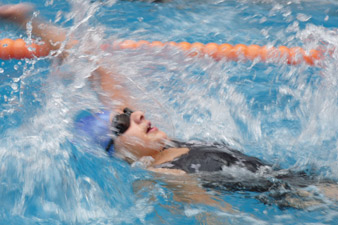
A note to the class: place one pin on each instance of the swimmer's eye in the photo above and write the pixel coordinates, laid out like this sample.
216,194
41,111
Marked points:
121,122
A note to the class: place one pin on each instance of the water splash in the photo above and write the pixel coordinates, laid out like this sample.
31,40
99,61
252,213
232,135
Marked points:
283,114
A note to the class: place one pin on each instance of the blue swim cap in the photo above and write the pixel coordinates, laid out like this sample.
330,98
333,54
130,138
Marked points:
96,127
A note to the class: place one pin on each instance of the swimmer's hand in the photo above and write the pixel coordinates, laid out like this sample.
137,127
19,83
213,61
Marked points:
58,40
19,13
52,35
186,188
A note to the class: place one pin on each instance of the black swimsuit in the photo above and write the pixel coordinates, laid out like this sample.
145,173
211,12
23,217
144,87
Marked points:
219,166
211,158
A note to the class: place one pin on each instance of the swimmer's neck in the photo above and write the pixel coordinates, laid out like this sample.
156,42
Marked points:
168,155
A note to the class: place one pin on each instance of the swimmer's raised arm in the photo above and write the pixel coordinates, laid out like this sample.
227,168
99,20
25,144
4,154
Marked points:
112,88
21,14
56,37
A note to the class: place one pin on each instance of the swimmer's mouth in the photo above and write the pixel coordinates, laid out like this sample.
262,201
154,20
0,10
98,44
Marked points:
150,128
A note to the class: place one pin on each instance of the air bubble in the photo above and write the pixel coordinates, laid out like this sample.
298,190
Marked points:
14,86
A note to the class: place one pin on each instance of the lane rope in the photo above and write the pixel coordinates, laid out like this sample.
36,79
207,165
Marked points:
19,49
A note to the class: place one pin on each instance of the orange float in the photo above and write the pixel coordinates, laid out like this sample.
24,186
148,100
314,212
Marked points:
185,46
196,49
18,49
6,48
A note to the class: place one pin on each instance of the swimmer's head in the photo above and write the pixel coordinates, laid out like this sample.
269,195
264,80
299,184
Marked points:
136,135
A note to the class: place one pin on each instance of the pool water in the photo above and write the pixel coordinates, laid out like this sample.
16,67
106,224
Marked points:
285,115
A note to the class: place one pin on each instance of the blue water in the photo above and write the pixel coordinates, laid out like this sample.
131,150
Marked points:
283,114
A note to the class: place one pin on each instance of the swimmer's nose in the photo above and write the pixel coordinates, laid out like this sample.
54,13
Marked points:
138,117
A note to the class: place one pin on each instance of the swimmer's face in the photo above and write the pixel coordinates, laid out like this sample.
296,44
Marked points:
141,138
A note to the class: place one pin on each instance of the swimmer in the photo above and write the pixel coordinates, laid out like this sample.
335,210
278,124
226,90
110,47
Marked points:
126,133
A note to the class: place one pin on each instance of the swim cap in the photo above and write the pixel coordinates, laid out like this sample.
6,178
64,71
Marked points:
96,127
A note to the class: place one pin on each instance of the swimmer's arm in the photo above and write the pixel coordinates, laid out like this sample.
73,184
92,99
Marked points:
21,14
186,188
115,94
56,38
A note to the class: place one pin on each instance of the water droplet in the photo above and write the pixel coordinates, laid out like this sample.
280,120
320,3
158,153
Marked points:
302,17
58,16
263,20
1,70
14,86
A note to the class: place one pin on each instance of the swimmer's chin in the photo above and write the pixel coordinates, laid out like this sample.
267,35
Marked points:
160,145
140,148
